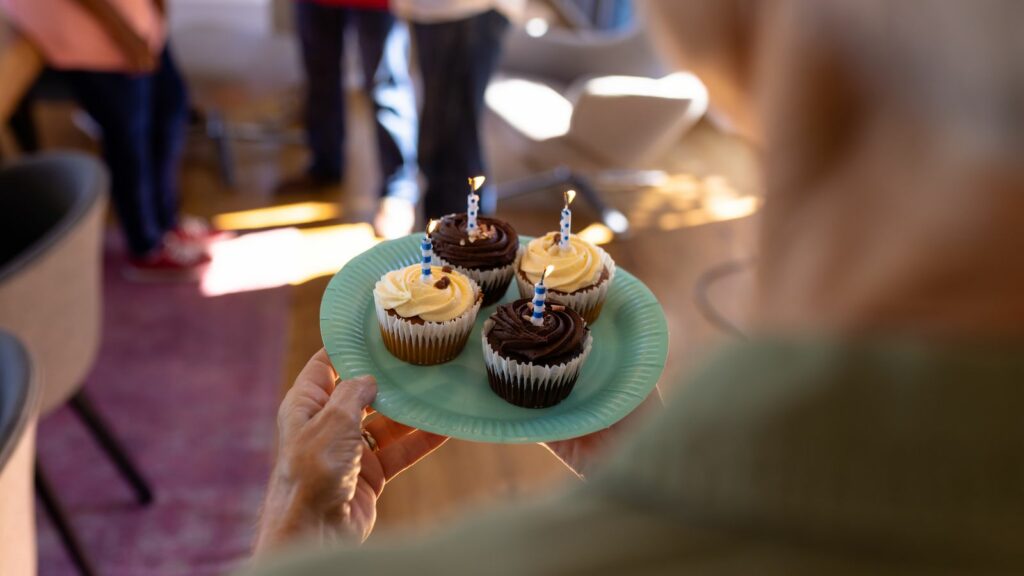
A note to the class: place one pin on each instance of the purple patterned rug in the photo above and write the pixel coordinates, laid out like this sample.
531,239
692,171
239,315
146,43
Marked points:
191,385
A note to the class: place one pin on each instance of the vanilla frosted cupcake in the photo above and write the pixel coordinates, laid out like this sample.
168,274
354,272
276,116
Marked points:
581,278
426,322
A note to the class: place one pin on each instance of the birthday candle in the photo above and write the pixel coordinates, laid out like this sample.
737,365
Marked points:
540,294
473,206
427,251
565,224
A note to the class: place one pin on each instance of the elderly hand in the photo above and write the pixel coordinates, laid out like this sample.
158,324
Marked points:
327,478
581,454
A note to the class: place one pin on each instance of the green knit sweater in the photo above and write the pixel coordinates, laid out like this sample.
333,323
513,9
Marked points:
778,458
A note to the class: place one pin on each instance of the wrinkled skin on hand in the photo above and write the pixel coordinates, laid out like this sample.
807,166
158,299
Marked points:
326,479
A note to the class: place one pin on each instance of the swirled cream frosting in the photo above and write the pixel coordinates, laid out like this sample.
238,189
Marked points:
578,266
447,296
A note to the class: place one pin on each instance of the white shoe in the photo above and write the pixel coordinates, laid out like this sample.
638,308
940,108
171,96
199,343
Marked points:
395,218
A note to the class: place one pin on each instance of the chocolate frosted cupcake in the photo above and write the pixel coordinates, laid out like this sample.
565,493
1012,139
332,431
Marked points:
426,322
534,366
581,278
488,257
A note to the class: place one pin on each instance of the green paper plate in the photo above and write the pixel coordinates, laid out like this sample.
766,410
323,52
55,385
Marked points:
454,399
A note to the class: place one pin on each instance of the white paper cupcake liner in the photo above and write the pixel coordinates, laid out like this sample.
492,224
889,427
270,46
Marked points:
430,342
531,385
587,302
493,283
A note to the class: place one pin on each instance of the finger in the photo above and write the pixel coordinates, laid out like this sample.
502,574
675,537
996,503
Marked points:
318,373
335,431
371,471
350,397
408,451
650,405
655,399
386,431
311,390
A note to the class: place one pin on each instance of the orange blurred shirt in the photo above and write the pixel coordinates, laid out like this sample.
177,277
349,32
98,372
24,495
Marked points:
70,38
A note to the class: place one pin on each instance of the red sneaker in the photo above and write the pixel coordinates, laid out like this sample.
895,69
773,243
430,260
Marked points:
172,262
195,230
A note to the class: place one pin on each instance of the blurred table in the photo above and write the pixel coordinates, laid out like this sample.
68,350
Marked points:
20,64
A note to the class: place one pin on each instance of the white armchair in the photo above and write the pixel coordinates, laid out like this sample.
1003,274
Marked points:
612,123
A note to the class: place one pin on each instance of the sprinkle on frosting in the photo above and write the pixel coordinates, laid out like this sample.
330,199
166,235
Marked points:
407,295
577,267
494,247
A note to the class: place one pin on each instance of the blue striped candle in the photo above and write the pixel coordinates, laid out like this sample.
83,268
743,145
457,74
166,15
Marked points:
540,294
565,224
427,251
473,206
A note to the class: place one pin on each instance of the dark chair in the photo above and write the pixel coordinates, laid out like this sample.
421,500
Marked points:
18,398
51,213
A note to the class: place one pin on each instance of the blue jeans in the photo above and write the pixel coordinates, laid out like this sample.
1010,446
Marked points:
383,49
143,118
457,60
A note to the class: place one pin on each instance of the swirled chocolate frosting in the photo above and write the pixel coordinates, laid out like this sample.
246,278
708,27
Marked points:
559,339
494,247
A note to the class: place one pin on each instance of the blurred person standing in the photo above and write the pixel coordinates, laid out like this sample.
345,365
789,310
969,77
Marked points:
383,51
114,56
458,43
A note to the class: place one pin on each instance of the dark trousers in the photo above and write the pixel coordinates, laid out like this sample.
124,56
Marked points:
457,60
383,50
143,117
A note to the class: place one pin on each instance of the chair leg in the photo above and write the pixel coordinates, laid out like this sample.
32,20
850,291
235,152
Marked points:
82,406
611,217
562,177
23,126
56,512
217,131
557,178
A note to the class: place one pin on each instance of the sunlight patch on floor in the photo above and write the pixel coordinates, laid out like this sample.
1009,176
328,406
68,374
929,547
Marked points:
277,216
283,256
325,250
684,200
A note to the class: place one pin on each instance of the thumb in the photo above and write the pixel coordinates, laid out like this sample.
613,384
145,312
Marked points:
349,397
334,443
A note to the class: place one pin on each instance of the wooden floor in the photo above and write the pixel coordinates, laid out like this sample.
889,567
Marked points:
681,230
